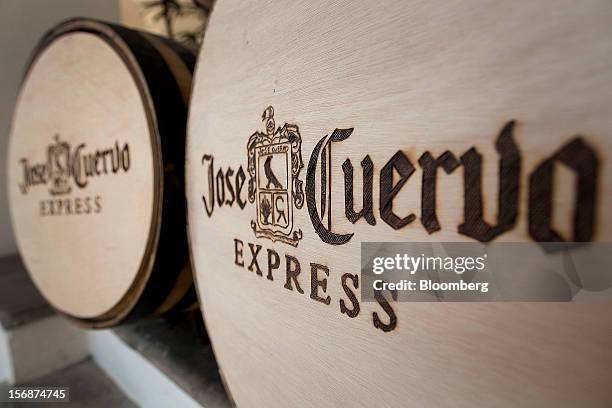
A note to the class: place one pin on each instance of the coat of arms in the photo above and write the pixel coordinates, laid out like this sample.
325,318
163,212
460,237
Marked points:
275,162
58,162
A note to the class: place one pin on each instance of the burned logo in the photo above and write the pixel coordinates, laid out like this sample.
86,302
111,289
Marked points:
372,198
274,165
275,162
59,166
63,165
67,169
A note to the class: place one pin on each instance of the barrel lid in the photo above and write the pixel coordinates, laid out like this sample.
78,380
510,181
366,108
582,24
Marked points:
84,172
301,116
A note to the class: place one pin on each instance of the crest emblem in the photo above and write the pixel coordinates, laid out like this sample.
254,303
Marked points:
275,162
58,155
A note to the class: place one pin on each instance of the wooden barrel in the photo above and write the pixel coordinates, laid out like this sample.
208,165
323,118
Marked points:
96,172
317,127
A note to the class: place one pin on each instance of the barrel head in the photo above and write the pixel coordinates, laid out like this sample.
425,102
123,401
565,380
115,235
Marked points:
310,130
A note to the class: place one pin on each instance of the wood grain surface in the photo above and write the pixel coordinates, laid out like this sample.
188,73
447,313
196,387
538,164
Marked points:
514,100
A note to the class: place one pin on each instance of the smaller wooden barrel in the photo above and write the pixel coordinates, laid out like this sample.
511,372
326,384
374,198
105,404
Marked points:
95,172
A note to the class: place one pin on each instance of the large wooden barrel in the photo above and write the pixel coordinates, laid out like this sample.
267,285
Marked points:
321,125
96,172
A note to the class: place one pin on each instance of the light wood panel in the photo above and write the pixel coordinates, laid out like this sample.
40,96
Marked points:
530,79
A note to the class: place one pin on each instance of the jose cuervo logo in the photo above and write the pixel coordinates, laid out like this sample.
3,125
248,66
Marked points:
67,169
274,185
274,164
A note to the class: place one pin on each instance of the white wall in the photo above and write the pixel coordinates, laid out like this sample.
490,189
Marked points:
22,22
